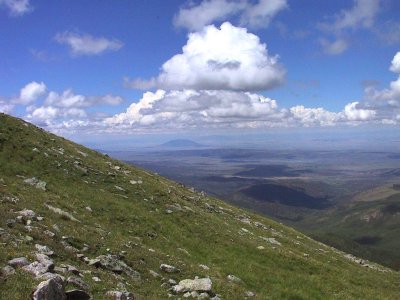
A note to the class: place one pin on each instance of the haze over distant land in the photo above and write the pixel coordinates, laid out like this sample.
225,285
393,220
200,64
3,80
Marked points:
240,68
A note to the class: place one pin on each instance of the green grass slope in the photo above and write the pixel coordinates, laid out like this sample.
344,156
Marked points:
108,207
369,229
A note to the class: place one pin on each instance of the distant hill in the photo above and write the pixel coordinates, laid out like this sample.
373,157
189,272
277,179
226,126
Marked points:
76,224
368,226
181,143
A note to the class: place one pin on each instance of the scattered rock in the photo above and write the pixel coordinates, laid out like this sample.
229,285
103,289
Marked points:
48,275
68,247
260,247
82,153
183,250
234,279
10,223
36,268
204,267
117,295
49,233
172,282
73,270
7,271
96,279
28,238
154,274
168,268
203,296
62,270
39,184
18,262
76,295
272,241
51,289
114,264
78,283
27,213
249,294
78,166
10,199
46,261
62,213
199,285
135,182
173,207
44,250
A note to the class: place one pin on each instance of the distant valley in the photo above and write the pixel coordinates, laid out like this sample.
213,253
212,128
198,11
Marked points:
323,193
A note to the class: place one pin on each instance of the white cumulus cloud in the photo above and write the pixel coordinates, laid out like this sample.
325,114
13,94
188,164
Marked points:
395,66
85,44
68,99
353,113
5,107
31,92
388,98
314,116
225,58
254,14
189,108
17,7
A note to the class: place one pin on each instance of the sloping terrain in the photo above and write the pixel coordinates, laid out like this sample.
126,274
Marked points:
368,226
106,226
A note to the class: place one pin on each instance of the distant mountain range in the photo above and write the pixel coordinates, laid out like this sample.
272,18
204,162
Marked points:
181,143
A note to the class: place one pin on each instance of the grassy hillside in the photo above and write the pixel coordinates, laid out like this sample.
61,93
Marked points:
368,226
94,206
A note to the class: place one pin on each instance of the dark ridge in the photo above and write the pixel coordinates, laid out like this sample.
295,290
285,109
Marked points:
268,171
368,240
392,208
181,143
285,195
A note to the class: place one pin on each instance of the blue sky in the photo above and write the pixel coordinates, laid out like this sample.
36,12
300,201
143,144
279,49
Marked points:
98,68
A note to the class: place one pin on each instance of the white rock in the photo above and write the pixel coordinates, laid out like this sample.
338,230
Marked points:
44,250
249,294
201,284
234,279
272,241
168,268
204,267
27,213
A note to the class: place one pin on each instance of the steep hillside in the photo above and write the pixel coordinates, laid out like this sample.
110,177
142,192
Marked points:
367,226
107,226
